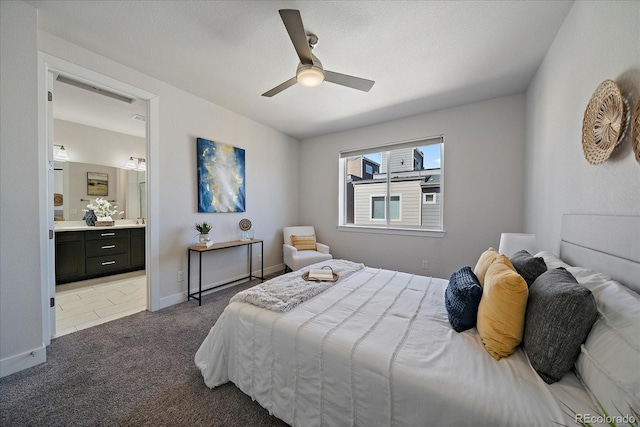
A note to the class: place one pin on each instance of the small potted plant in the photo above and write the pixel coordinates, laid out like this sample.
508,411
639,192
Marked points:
203,228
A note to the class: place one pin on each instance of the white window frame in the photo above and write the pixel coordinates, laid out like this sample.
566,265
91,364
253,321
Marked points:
388,227
429,202
371,197
386,207
399,196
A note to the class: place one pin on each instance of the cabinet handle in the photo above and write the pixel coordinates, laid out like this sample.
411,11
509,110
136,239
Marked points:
108,246
107,234
108,262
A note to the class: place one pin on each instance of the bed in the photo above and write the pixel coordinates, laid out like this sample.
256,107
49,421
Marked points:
377,348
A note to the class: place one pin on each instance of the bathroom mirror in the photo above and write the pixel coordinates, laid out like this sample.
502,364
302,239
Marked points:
73,183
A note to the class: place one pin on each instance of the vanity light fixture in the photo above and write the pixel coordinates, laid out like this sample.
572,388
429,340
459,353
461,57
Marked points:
136,163
60,154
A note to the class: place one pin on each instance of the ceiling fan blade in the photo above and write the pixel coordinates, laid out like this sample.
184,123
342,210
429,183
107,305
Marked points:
276,90
293,23
349,81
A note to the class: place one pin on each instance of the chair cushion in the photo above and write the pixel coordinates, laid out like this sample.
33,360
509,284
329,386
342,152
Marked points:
304,243
560,313
502,309
529,267
462,298
305,258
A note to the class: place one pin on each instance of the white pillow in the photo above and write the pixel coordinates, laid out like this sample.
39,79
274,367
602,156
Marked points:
551,260
609,363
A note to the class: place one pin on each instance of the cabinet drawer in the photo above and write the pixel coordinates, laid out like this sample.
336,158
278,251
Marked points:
103,264
107,234
106,246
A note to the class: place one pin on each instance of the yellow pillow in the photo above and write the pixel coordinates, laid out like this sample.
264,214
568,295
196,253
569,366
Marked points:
304,243
502,309
486,259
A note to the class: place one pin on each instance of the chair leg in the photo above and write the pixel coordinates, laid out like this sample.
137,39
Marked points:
287,269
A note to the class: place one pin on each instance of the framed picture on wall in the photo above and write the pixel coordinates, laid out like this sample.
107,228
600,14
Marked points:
97,184
221,182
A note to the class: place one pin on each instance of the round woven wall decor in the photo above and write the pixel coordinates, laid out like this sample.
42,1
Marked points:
244,224
604,122
635,131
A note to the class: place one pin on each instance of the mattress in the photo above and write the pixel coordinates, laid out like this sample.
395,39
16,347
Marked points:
377,349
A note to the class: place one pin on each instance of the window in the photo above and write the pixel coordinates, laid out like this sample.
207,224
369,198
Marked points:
429,199
379,206
393,193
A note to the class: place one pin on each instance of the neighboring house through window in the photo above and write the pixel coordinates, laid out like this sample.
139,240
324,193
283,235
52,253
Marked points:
398,186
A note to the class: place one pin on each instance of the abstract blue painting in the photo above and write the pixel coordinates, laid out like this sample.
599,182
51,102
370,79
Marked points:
221,185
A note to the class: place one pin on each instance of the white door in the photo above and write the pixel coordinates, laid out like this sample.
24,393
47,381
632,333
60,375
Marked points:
51,261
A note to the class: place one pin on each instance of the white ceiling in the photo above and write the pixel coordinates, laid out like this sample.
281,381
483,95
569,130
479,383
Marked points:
423,55
82,106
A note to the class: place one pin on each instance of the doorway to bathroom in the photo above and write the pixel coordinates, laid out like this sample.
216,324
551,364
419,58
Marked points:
96,273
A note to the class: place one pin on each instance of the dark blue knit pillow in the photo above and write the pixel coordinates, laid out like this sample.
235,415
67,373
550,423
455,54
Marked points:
462,298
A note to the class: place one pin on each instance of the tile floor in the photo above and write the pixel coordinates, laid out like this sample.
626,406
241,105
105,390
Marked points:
81,305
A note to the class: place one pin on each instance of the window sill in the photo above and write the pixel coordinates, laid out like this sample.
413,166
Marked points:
391,230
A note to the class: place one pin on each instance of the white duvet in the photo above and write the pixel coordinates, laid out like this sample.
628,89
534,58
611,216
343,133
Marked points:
374,350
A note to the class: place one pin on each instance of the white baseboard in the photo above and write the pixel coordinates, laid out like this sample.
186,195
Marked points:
19,362
182,296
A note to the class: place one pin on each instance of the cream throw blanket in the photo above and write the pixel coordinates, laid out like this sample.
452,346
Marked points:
286,292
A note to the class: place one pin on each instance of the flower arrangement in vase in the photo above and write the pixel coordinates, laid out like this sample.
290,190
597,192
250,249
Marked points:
100,211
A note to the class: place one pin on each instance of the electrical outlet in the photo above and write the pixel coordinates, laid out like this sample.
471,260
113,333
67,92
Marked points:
425,264
180,276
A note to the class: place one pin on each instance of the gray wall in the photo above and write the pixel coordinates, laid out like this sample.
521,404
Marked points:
271,162
21,264
598,41
483,186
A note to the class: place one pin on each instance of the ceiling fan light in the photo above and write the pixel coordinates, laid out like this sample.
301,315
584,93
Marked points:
310,77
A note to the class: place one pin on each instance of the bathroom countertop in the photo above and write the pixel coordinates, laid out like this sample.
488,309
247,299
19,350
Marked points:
62,226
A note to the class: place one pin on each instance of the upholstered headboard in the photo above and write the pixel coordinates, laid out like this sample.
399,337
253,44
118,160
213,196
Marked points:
609,244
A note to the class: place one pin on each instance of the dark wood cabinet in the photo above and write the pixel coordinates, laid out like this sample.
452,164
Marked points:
69,256
137,250
84,255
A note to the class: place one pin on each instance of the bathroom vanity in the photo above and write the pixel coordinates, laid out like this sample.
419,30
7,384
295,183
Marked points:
84,252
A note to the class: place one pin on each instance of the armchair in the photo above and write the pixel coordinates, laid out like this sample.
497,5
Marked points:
308,251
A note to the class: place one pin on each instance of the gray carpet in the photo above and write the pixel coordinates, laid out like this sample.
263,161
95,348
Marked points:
134,371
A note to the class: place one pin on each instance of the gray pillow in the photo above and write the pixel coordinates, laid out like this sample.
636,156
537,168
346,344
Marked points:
529,267
560,313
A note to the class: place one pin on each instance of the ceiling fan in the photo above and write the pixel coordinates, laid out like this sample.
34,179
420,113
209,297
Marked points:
310,72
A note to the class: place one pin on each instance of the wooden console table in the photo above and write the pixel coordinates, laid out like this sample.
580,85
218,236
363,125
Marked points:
215,247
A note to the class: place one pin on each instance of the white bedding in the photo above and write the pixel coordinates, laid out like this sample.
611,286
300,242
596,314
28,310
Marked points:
376,349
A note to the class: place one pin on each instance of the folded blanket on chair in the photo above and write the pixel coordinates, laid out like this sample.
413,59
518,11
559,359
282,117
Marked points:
285,292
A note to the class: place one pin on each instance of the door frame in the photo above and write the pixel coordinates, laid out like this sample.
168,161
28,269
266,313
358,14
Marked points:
49,65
